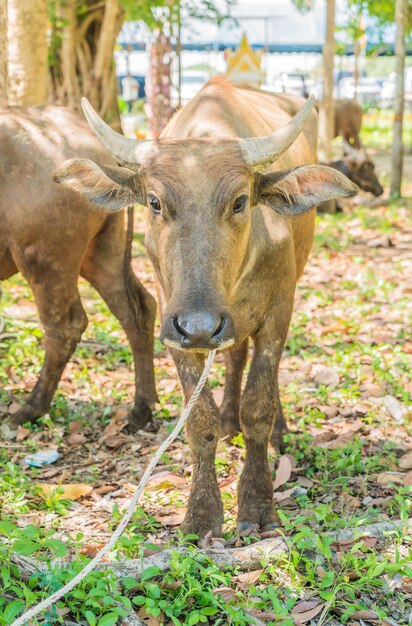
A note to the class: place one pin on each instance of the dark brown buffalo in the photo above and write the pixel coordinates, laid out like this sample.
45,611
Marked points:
359,168
348,122
229,228
52,235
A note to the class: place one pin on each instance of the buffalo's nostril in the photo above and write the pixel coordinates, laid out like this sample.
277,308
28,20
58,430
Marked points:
199,329
179,327
220,328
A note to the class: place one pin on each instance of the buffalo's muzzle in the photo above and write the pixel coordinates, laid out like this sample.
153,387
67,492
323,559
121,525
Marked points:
198,330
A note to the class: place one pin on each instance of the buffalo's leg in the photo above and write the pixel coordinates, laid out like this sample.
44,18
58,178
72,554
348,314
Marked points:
64,320
205,510
258,414
108,270
230,410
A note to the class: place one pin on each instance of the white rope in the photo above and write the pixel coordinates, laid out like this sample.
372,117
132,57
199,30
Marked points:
44,604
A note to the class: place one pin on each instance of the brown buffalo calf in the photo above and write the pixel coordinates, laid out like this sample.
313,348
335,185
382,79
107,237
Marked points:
52,235
230,188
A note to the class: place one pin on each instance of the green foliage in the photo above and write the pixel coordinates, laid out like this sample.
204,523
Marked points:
158,13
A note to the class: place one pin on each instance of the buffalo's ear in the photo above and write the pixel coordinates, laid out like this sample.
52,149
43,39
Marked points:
293,192
110,188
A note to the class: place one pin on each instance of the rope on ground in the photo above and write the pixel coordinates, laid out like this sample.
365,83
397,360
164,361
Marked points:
44,604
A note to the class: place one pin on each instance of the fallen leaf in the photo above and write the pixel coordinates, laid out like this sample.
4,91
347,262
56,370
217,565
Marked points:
248,578
75,439
115,426
283,472
407,347
405,462
339,442
302,615
365,614
304,605
22,433
408,479
166,480
171,586
72,491
395,408
104,489
325,375
227,593
149,620
390,477
90,550
114,442
304,481
175,519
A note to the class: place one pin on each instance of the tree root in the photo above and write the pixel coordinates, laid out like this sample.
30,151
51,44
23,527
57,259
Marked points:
246,558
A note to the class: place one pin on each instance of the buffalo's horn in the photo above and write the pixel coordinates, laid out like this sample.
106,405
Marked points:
259,152
126,151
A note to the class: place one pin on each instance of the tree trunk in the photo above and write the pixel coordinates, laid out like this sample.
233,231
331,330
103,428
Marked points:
3,52
27,52
83,55
158,83
327,112
401,9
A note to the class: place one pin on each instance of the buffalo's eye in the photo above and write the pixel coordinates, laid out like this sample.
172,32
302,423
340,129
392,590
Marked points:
240,204
154,203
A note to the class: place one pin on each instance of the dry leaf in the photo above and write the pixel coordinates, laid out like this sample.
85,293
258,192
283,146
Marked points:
116,424
365,614
104,489
149,620
408,479
22,433
166,480
283,472
304,605
407,347
175,519
227,593
171,586
248,578
339,442
114,442
325,375
72,491
395,408
90,550
76,439
306,610
405,462
390,477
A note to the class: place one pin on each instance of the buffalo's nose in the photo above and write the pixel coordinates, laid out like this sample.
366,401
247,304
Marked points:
199,330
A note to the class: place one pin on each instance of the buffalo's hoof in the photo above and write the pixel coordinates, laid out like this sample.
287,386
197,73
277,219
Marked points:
201,529
27,413
141,417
